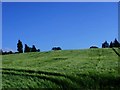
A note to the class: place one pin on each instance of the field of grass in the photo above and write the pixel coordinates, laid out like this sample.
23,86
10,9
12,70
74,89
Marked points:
85,69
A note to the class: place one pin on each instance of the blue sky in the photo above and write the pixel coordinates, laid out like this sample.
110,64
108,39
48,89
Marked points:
68,25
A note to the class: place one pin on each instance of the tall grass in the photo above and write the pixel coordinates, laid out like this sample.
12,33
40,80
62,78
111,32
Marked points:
85,69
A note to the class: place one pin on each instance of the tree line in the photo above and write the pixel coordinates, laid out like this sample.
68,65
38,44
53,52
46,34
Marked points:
26,49
29,49
112,44
115,43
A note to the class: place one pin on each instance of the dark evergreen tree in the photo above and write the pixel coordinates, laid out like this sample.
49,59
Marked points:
27,48
33,49
105,45
19,47
116,43
111,44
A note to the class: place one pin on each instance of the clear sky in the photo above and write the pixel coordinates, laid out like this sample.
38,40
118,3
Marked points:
68,25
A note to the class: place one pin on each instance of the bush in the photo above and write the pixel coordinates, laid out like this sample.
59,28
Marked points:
56,48
93,47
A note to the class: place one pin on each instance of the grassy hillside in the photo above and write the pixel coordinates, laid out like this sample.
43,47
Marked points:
88,68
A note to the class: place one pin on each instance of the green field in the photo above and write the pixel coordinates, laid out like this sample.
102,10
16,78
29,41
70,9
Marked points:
85,69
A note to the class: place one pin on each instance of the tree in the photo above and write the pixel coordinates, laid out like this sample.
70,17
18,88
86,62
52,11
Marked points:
19,47
116,43
10,52
111,44
56,48
33,49
1,51
27,48
105,45
38,50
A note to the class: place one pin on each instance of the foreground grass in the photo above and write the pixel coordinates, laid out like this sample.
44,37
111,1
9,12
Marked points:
88,68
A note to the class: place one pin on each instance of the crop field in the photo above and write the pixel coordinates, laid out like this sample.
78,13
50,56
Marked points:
80,69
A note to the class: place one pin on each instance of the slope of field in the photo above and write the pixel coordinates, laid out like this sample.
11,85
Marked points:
88,68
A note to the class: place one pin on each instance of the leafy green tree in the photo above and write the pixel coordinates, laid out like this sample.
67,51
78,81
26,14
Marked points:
19,47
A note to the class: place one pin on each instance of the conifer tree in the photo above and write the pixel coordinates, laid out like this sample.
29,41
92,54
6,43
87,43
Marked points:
27,48
19,47
33,49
